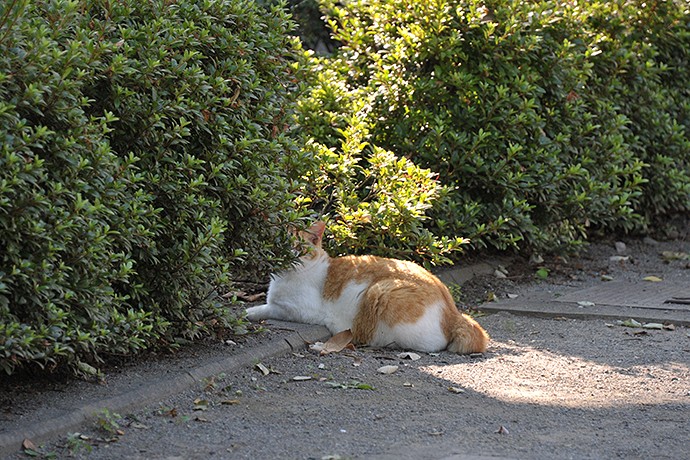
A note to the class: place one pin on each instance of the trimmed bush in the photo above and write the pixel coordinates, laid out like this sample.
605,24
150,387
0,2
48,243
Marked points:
378,202
527,111
146,158
644,67
200,92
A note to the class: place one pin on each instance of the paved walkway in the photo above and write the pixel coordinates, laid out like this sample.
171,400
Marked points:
648,302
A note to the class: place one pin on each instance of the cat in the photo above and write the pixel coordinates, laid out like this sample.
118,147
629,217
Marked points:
384,302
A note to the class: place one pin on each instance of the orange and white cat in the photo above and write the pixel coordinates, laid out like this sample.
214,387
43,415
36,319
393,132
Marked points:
384,302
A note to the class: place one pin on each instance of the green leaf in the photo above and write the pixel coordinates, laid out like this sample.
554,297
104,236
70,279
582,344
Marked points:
353,385
542,273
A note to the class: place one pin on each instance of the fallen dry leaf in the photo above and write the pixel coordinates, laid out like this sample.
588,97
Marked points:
409,355
254,297
264,370
672,255
140,426
669,327
200,404
456,390
387,369
28,444
631,323
338,342
586,303
241,295
652,279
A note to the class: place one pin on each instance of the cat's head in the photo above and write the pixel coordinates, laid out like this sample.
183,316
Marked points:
309,241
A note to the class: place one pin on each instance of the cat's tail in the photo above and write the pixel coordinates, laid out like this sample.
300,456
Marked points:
467,336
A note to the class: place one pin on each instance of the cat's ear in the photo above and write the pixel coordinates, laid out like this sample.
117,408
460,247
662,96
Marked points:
316,233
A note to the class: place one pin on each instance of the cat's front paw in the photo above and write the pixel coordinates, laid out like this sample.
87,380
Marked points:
257,313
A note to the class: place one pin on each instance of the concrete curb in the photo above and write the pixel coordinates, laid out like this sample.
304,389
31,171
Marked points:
151,392
464,273
551,309
611,300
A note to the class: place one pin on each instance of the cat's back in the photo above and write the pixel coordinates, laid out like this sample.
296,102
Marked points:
346,270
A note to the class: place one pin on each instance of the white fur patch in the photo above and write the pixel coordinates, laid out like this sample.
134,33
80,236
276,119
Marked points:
424,335
296,295
342,311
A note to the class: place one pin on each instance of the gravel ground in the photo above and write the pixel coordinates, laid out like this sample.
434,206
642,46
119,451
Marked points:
546,388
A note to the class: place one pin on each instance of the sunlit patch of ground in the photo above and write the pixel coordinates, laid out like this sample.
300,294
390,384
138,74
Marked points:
531,375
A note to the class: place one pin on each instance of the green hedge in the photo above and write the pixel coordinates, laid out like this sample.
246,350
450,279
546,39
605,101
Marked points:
146,157
543,120
376,202
644,67
149,153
